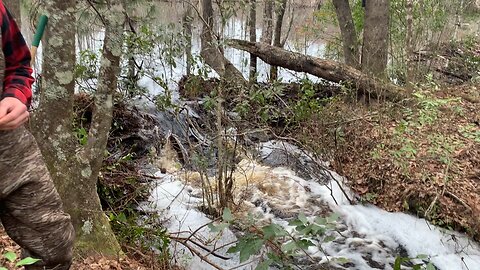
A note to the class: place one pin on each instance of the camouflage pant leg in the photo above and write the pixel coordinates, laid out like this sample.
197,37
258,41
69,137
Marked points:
30,207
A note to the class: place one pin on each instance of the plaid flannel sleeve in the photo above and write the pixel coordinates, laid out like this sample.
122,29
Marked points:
18,78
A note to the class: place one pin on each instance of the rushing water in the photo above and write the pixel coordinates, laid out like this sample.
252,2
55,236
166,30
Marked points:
275,182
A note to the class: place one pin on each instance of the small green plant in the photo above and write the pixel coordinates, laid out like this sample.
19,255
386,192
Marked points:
13,258
277,246
417,266
82,135
86,70
308,103
471,132
429,107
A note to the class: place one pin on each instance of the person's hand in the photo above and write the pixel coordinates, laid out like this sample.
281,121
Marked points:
13,113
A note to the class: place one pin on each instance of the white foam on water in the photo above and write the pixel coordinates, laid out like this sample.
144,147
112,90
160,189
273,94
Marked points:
366,235
177,205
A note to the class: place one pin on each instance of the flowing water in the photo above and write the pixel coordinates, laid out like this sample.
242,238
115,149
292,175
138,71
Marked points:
275,182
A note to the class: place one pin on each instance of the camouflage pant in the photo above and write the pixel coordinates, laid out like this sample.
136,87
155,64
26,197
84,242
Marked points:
30,207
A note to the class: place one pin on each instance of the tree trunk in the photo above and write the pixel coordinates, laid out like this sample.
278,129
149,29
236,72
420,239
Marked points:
13,7
326,69
210,51
187,21
277,42
348,32
71,170
375,37
409,42
267,35
252,24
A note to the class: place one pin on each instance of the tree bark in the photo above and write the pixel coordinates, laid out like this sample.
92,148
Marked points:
13,7
187,21
210,51
267,35
277,41
73,169
375,37
252,24
348,32
409,42
326,69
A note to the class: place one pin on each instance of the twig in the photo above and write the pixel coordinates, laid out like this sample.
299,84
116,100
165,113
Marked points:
210,252
197,253
453,196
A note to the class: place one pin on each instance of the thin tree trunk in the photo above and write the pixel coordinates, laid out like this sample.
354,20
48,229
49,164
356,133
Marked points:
13,7
210,50
348,32
277,42
322,68
409,43
267,35
253,38
187,21
375,37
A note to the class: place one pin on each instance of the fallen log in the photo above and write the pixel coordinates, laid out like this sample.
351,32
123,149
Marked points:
326,69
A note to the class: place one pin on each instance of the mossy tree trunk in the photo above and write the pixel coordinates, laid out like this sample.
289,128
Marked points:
75,168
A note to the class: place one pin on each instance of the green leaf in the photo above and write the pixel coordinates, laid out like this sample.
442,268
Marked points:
342,260
10,256
305,244
305,230
252,247
289,247
302,218
3,268
398,263
422,256
295,222
227,215
27,261
233,249
333,217
430,266
321,220
273,231
317,230
218,228
264,265
122,217
329,239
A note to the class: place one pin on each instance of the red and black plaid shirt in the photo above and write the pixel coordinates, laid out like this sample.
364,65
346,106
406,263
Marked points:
18,78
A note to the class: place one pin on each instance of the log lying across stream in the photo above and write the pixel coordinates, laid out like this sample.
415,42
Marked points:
327,69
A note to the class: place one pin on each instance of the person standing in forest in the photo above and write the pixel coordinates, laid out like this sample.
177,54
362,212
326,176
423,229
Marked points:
30,208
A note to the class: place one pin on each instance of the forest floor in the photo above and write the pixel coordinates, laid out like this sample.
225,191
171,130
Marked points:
128,262
6,245
422,158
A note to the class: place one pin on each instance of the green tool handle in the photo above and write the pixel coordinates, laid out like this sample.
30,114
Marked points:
42,23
